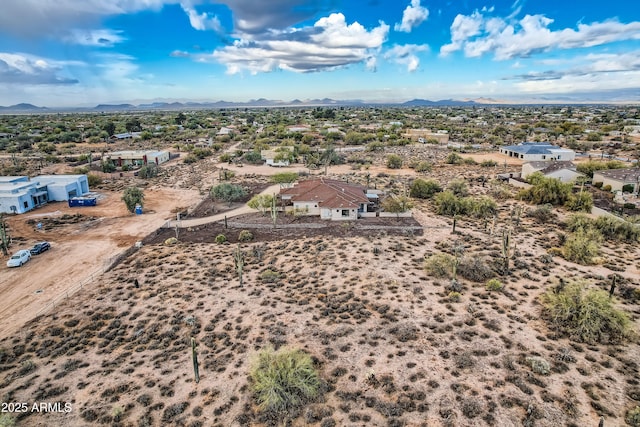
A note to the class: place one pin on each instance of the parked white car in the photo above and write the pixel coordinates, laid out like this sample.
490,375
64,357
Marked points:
19,258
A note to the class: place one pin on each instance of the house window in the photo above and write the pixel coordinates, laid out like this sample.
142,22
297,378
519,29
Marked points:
544,157
345,212
26,205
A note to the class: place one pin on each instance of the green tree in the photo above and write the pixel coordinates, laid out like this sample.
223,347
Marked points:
453,159
228,192
396,204
261,202
424,188
284,178
546,190
180,118
108,166
394,161
449,204
148,171
131,197
110,128
133,125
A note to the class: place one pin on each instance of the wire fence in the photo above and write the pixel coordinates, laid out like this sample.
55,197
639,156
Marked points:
108,264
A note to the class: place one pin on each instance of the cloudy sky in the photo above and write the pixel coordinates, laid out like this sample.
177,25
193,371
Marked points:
84,52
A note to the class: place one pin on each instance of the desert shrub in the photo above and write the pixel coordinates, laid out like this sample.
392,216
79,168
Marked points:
579,222
7,420
542,213
483,207
617,230
475,268
424,188
245,236
469,161
582,247
423,167
269,276
458,187
539,365
494,285
148,171
225,158
133,196
454,296
632,417
629,206
190,158
221,238
283,380
449,204
453,159
545,190
585,315
488,163
628,188
439,265
606,188
581,202
394,161
93,180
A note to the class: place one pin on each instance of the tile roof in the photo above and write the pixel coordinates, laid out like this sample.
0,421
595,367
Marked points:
628,175
328,193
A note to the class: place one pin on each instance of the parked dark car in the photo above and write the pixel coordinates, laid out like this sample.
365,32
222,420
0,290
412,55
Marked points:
40,247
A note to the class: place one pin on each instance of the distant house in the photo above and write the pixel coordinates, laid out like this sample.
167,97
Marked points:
298,128
136,157
565,171
225,131
533,151
423,135
19,194
126,135
273,157
618,178
331,199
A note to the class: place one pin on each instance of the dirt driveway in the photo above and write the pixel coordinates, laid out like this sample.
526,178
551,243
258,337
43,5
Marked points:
83,242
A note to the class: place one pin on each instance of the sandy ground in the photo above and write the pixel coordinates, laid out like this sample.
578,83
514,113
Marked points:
78,252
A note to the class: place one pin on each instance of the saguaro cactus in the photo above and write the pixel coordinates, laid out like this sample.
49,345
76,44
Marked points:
238,258
506,250
4,236
194,356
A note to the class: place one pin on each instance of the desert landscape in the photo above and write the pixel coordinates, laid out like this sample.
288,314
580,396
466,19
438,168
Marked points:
408,321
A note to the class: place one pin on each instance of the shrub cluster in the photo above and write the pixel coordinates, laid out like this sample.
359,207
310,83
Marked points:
585,315
424,188
283,380
614,229
447,203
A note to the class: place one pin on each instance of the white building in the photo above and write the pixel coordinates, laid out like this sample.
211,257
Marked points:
19,194
137,157
533,151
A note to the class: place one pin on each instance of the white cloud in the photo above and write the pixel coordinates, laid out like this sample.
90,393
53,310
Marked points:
21,68
478,35
201,21
412,16
406,55
102,38
331,43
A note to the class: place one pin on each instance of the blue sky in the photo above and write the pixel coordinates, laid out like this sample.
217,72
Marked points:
85,52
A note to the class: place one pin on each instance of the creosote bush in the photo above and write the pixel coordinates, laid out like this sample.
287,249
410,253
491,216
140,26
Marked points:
245,236
582,247
475,268
439,265
283,380
221,238
585,315
494,285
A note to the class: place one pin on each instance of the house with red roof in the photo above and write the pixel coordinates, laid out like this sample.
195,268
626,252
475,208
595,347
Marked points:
331,199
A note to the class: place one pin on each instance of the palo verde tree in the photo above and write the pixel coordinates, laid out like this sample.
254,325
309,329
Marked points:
261,202
284,178
227,192
131,197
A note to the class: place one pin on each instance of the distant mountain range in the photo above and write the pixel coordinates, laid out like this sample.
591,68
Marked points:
262,102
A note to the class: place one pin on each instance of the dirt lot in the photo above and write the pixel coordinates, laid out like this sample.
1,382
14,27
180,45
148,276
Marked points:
81,247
